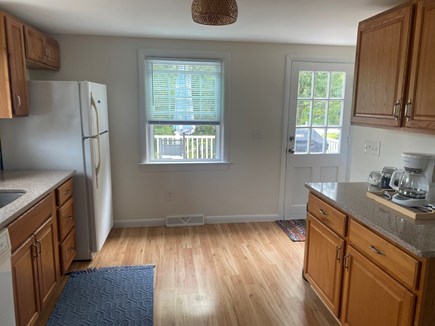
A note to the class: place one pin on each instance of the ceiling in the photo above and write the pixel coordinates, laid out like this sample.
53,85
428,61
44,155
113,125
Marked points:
331,22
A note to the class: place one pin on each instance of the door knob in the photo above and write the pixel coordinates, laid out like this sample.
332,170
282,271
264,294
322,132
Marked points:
291,150
291,138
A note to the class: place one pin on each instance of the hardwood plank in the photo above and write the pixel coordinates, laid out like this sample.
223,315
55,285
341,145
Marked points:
219,274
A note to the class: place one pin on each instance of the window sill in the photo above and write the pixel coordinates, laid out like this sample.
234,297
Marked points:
184,166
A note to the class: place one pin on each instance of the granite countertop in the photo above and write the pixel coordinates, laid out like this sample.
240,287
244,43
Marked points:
416,236
36,185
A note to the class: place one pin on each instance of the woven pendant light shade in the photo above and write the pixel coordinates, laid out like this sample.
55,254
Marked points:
214,12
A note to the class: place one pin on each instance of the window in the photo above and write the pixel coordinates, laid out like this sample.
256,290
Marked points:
319,113
184,109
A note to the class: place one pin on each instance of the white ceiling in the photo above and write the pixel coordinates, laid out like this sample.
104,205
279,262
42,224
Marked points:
283,21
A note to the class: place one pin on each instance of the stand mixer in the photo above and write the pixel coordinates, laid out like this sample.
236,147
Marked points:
415,185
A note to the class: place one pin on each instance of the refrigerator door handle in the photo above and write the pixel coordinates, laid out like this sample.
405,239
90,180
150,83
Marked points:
97,137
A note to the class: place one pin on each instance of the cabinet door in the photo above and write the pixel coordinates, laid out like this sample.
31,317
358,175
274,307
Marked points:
48,261
380,68
371,297
323,262
35,44
420,109
25,279
53,54
17,66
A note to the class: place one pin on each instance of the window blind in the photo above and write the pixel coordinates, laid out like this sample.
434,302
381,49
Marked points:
185,92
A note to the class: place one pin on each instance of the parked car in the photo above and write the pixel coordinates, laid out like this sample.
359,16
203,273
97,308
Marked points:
316,144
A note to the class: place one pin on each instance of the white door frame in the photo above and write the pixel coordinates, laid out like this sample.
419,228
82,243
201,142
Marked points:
285,121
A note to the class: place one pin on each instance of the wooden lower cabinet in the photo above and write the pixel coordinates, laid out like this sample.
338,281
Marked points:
48,259
323,262
35,272
35,259
371,297
25,280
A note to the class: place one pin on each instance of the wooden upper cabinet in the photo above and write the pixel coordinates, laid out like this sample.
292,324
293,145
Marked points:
380,67
420,107
42,52
14,81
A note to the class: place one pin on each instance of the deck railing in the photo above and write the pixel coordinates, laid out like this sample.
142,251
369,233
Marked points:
193,147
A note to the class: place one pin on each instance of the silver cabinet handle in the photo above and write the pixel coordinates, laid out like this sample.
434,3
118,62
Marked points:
346,261
396,110
377,251
337,252
19,100
408,110
323,212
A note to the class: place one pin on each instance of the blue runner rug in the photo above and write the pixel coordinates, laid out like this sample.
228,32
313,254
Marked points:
107,296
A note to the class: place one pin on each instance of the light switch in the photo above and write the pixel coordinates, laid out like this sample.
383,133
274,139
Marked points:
372,147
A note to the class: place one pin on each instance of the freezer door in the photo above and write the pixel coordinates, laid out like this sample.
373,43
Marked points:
99,184
94,108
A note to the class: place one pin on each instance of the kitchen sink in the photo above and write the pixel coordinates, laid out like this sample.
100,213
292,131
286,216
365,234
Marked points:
7,197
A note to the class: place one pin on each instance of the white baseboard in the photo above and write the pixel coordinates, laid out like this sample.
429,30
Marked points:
241,218
208,220
139,223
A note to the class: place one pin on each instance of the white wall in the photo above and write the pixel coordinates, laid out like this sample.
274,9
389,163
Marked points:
250,186
393,143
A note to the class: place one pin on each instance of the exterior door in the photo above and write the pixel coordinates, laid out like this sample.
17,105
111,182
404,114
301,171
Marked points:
319,104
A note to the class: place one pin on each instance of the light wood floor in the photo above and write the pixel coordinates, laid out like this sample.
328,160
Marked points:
221,274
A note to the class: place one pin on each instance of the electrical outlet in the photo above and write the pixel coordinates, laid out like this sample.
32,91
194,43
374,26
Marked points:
257,134
169,196
372,147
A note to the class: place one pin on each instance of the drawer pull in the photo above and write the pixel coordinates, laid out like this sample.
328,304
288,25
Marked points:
67,191
323,212
69,218
377,251
71,250
337,252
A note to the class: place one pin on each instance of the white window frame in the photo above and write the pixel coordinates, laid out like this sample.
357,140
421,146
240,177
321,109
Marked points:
143,54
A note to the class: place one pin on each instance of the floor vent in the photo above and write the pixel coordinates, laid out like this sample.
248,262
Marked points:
184,220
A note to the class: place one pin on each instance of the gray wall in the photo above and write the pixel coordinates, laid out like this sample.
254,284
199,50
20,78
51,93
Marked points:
250,186
393,143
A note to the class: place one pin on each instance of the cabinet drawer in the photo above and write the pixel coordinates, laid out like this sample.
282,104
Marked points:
389,257
327,214
64,192
65,218
23,227
68,250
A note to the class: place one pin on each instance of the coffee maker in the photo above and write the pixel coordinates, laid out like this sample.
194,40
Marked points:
415,184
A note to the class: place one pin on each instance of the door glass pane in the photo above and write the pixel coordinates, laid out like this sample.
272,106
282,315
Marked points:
321,84
319,113
337,85
305,85
317,140
319,106
335,113
303,113
301,140
333,138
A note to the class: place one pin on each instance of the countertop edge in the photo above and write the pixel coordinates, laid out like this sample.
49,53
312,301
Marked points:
366,222
13,212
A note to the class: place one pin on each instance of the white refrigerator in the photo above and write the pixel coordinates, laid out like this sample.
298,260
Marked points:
67,128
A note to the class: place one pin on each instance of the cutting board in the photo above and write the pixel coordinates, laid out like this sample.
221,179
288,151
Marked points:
414,213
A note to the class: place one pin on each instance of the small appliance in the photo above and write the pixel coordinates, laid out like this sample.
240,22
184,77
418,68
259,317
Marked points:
414,184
